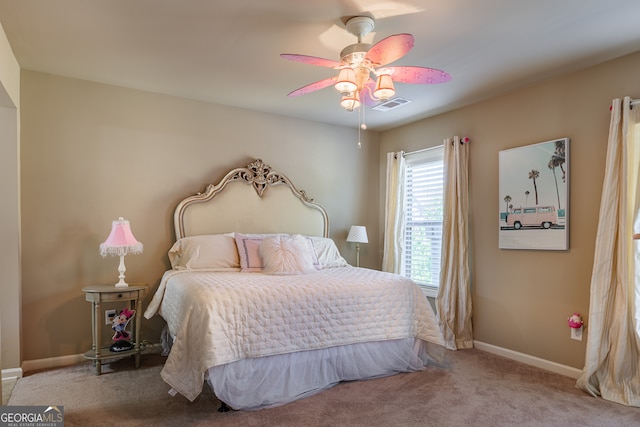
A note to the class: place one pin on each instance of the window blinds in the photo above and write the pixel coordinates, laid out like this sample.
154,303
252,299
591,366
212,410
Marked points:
424,182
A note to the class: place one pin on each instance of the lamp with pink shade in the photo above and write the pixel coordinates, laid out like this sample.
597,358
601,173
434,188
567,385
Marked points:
120,242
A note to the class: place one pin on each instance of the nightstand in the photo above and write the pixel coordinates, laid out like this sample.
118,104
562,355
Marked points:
133,295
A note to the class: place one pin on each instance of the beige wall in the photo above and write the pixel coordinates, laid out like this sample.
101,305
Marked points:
522,298
93,152
9,208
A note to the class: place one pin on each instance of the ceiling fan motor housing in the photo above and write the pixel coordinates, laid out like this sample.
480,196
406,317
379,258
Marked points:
354,54
360,26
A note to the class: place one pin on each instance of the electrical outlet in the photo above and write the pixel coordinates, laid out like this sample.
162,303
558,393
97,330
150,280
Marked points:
576,333
109,315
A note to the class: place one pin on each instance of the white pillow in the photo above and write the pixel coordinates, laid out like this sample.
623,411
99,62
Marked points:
249,251
212,251
327,252
287,255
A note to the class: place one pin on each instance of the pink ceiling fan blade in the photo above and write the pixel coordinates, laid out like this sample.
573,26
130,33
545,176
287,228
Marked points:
390,49
321,84
313,60
416,75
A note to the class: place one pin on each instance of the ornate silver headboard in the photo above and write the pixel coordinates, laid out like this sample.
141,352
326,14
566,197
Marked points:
250,208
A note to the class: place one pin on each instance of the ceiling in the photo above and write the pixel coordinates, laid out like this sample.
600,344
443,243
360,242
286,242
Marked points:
228,53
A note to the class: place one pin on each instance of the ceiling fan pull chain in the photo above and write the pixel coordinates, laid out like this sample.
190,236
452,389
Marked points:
361,125
359,143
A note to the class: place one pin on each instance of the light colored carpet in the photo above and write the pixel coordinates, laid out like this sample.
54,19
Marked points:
7,388
477,389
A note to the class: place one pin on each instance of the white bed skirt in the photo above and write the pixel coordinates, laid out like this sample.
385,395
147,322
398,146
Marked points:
264,382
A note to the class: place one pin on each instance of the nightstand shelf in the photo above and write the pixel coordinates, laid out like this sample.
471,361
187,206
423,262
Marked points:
133,295
106,353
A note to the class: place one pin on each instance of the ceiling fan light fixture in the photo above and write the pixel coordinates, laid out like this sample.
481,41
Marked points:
358,65
350,101
384,87
346,82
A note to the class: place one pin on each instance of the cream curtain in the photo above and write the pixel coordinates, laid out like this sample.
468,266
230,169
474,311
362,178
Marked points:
454,294
612,365
394,214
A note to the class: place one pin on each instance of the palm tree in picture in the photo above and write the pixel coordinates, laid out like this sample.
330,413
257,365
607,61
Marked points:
526,198
559,157
534,174
553,163
507,199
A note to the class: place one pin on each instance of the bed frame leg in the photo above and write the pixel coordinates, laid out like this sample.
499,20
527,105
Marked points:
223,407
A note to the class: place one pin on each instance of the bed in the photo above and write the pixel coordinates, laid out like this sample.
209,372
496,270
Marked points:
260,304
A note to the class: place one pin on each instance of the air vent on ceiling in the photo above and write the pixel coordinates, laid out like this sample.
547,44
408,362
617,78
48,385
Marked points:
391,104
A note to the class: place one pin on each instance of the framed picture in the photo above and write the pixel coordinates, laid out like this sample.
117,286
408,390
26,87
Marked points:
534,196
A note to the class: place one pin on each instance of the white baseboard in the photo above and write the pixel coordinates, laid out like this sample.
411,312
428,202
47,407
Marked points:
547,365
58,362
11,373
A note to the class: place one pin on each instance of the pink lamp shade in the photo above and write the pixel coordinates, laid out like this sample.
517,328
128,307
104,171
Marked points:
120,243
120,240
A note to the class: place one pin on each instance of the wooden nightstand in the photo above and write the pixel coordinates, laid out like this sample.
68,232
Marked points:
133,294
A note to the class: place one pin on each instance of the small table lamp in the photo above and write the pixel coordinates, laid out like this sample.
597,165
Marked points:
120,242
358,234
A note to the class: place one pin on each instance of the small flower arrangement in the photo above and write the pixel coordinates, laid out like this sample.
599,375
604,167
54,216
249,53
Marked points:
575,321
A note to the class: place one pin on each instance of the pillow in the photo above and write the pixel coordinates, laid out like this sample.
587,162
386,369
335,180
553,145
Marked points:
327,252
249,250
287,255
207,251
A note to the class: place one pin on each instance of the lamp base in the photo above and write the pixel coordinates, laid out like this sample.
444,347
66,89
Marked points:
121,270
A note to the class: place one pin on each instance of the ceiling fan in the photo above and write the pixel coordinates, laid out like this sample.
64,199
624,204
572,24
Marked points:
359,61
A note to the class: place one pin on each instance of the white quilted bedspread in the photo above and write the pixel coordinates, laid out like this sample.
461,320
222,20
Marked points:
222,317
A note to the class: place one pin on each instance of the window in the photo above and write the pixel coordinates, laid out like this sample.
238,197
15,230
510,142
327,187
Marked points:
424,193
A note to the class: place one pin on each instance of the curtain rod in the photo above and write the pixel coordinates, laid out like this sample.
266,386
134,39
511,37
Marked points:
420,151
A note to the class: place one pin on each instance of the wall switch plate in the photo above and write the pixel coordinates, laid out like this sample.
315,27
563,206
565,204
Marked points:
109,315
576,333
